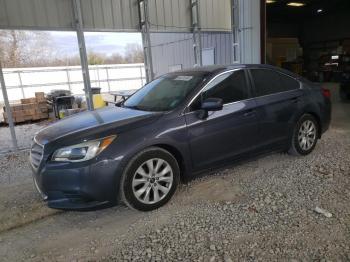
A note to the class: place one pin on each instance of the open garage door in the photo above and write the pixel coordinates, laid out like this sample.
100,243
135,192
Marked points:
309,37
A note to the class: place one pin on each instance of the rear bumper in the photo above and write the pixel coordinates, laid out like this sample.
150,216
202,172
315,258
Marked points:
85,187
326,116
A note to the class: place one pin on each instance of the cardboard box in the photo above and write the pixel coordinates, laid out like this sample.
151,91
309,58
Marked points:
19,119
14,108
29,112
42,104
29,106
25,101
40,96
29,109
44,115
28,100
28,117
36,116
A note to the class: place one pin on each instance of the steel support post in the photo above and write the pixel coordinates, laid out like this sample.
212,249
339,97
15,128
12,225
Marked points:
146,39
235,31
82,50
8,109
196,31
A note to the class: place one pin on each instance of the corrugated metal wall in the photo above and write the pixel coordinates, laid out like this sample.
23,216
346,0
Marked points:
170,15
175,15
36,13
111,15
214,16
170,50
98,15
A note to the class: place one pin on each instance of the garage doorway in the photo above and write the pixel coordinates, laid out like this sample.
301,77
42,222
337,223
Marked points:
309,37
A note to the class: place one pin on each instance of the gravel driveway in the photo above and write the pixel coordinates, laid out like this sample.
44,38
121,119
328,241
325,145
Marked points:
263,209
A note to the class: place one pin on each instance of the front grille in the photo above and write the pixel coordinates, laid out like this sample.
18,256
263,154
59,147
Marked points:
36,154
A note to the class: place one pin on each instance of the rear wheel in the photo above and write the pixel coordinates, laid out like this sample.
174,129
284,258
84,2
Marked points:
150,179
305,136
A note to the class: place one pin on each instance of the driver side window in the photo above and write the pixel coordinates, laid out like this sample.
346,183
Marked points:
230,87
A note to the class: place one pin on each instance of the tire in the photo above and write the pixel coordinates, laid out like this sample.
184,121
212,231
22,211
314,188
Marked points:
144,190
301,134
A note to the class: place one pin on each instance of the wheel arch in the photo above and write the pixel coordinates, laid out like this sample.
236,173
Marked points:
318,119
178,156
312,112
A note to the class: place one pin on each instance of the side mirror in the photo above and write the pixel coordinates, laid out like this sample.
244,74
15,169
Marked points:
210,104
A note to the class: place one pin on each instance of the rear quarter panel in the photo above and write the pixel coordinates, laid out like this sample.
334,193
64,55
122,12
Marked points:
316,104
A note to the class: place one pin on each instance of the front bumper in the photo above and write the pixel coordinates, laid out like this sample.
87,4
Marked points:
83,186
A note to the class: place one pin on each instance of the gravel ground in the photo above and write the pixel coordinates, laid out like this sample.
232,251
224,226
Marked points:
24,134
271,217
263,209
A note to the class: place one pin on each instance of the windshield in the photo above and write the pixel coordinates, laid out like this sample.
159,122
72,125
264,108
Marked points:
164,93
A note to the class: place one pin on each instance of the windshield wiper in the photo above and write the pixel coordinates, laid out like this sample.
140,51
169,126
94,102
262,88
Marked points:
133,107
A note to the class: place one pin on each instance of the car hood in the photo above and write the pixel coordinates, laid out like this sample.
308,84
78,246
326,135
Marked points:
114,118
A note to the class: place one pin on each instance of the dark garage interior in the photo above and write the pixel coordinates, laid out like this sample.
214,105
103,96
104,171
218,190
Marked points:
309,37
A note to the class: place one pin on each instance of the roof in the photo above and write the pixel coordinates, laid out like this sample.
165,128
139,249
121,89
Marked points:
214,69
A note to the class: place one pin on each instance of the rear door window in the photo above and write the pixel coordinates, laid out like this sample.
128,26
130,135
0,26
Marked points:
288,83
269,82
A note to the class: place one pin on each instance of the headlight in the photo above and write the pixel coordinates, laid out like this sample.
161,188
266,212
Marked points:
84,151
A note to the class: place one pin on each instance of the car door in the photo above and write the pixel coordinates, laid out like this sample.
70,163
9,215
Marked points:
225,133
277,99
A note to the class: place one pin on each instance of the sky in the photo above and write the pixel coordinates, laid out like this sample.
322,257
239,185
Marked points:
106,43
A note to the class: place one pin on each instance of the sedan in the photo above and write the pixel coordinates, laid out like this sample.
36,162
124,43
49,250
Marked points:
175,127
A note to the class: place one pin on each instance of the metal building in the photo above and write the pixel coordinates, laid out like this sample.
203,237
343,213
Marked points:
174,51
230,33
176,33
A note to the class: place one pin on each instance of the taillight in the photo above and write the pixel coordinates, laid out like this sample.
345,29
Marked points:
326,92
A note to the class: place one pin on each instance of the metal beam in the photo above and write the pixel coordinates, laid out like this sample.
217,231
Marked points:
146,39
249,31
196,31
8,109
235,31
82,50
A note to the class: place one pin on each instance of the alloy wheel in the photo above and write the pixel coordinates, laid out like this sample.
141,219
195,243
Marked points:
152,181
307,135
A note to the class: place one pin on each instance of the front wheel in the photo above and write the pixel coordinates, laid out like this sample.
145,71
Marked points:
305,136
150,179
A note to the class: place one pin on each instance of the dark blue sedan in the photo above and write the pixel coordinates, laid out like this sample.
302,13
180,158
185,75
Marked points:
175,127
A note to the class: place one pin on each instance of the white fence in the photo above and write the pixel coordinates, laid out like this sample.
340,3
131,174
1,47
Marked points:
24,82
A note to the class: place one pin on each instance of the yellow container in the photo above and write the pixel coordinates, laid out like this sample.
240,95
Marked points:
62,114
98,101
